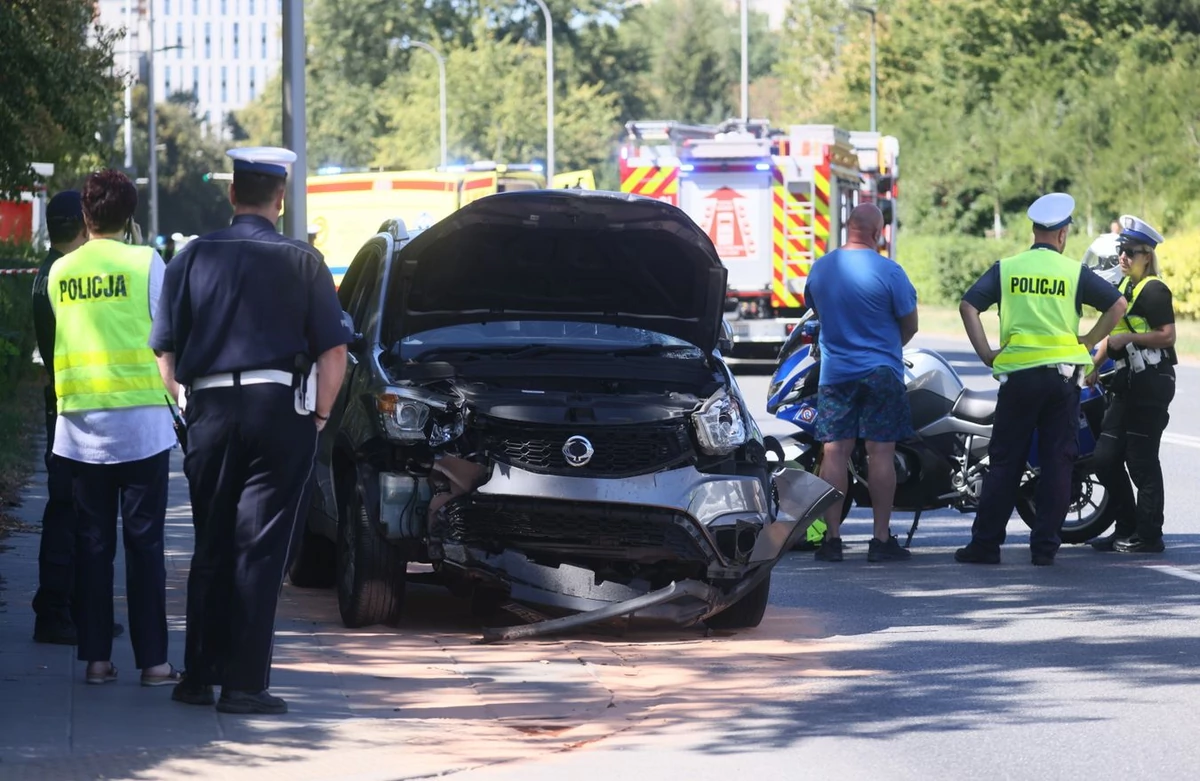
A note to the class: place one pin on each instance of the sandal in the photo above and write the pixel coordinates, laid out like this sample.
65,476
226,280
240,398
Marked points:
172,676
97,679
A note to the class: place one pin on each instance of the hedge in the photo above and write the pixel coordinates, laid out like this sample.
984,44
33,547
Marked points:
16,316
943,267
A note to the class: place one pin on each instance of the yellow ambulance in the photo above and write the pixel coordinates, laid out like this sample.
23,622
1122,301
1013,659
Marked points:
346,209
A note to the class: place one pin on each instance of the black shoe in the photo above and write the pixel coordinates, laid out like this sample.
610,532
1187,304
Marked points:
250,702
118,630
1136,544
1041,560
1105,545
56,632
975,555
191,693
830,550
887,551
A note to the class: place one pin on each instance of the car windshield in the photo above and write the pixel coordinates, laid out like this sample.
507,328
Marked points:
521,337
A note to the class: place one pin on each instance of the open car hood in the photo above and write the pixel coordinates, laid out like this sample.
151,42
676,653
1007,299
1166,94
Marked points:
563,255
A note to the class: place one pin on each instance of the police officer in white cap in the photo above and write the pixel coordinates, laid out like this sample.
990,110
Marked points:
244,315
1143,346
1039,363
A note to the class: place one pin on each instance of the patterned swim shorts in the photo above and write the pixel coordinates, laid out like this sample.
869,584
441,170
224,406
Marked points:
874,408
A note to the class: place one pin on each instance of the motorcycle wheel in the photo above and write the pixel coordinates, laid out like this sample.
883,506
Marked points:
1088,516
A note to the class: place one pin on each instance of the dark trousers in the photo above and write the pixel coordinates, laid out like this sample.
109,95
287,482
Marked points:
1130,438
1040,400
248,463
56,553
138,490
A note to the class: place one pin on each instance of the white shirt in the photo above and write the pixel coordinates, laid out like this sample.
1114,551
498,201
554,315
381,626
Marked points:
117,436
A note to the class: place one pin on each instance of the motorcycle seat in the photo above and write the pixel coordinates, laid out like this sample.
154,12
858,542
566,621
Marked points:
976,406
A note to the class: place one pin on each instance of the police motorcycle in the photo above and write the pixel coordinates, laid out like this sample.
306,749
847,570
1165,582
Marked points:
944,463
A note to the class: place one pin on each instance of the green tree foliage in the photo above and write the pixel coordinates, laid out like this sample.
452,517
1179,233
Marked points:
56,85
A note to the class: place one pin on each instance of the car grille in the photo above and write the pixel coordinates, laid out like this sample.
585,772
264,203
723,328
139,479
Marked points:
574,529
619,451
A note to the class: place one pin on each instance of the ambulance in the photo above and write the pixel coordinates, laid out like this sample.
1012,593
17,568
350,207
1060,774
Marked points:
772,202
344,210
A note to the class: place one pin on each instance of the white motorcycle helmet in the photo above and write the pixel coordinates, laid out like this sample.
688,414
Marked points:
1102,257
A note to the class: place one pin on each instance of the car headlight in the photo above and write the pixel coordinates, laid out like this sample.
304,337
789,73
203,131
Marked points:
719,425
403,419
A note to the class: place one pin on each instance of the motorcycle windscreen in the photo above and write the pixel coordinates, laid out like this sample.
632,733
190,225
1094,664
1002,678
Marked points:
734,209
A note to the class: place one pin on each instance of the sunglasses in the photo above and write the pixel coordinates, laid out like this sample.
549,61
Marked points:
1133,252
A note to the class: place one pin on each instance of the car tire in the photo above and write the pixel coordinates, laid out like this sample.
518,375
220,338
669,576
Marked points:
747,612
314,560
370,572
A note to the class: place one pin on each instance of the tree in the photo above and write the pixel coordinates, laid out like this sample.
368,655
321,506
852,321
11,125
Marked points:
57,87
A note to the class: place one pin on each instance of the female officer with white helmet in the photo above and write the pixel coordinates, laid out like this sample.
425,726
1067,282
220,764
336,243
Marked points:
1143,346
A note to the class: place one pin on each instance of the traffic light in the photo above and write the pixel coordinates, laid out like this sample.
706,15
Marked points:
207,177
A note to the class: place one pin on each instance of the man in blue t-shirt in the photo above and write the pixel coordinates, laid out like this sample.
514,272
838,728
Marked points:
868,312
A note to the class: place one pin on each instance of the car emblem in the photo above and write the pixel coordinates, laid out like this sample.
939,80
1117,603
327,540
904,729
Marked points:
578,451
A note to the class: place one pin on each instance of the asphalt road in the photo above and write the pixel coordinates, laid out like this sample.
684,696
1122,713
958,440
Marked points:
933,670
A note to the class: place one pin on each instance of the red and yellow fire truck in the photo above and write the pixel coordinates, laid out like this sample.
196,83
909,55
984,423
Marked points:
771,201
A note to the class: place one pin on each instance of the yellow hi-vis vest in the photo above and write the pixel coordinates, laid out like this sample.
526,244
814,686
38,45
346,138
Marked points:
1039,325
101,299
1135,324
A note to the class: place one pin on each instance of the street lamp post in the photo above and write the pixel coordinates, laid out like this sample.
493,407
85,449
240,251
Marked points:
871,11
549,91
745,61
295,130
405,43
152,121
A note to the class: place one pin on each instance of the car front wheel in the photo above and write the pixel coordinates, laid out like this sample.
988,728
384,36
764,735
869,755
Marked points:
747,612
370,572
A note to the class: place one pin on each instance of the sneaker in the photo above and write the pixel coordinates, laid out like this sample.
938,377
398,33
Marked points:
1042,559
887,551
976,555
58,633
250,702
830,550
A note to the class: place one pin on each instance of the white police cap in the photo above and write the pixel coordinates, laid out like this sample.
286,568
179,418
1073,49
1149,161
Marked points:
270,160
1052,211
1137,231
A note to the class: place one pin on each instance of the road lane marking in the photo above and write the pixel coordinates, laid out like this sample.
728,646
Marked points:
1186,440
1176,571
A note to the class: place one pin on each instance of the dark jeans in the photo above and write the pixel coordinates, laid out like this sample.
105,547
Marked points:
1130,438
248,462
138,489
1031,400
56,552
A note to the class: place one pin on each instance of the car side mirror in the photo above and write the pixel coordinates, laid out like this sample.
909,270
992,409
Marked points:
725,340
356,339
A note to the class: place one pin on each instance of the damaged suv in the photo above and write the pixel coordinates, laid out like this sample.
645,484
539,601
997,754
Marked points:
536,405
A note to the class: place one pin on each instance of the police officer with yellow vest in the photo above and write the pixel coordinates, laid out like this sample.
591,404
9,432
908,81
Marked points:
1143,347
245,315
113,429
1040,364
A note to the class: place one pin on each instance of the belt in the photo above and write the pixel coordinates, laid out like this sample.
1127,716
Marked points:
254,377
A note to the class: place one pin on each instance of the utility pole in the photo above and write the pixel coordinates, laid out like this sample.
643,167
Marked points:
549,93
128,92
295,135
153,132
870,11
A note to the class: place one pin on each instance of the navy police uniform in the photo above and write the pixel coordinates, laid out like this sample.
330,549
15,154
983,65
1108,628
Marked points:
1137,414
1042,398
245,311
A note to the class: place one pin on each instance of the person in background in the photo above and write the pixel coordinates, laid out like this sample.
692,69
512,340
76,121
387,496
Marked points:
113,429
1143,346
1039,364
56,560
868,312
245,315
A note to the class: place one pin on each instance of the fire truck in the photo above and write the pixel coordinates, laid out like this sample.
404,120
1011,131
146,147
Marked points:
771,201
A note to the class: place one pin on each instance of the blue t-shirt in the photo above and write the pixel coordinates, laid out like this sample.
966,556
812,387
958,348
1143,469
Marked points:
860,297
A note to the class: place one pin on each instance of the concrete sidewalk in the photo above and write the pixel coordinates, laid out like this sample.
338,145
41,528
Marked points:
371,704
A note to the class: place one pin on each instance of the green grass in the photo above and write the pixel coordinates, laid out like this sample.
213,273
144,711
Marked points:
944,321
21,416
